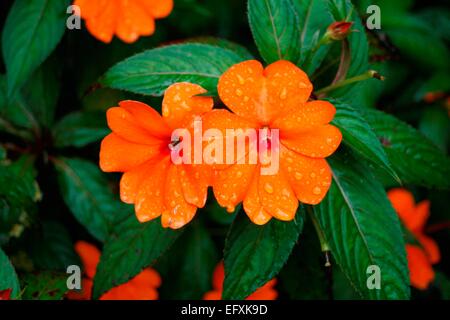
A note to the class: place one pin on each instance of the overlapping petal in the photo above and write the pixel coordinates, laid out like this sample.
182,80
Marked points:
128,19
253,92
141,287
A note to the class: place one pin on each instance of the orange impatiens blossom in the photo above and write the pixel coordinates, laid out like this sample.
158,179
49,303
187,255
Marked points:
128,19
266,292
414,218
140,146
275,98
142,287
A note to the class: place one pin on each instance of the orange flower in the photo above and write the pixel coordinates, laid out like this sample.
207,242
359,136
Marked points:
414,218
141,287
266,292
128,19
275,98
5,294
140,146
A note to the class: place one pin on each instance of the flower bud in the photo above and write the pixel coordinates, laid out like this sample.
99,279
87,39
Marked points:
338,31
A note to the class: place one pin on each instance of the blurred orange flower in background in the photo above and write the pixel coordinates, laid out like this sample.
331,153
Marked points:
275,98
140,146
414,217
128,19
266,292
142,287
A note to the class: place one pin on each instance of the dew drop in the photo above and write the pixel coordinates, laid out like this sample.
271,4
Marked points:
312,175
240,79
298,176
317,190
283,94
239,92
268,188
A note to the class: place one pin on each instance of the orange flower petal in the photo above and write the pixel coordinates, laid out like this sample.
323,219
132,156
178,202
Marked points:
120,155
103,25
181,104
254,93
178,211
309,178
128,291
232,128
131,181
403,202
133,22
266,292
195,180
231,185
122,123
213,295
147,118
84,294
430,247
305,116
287,87
149,202
219,276
158,8
240,88
421,215
90,9
252,204
277,197
420,271
319,142
90,257
148,277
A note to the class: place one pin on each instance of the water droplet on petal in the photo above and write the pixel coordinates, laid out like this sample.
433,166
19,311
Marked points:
298,176
268,188
239,92
317,190
283,94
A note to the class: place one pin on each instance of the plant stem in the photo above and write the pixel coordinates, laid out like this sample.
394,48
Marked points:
344,64
365,76
320,234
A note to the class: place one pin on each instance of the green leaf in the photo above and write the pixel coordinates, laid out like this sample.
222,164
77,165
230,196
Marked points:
359,50
151,72
85,191
362,229
223,43
41,92
304,275
359,136
19,193
418,41
8,276
79,129
45,285
435,125
275,29
255,254
15,116
191,272
52,248
131,247
32,31
414,158
313,19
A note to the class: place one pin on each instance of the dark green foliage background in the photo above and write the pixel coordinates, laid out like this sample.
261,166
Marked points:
55,85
